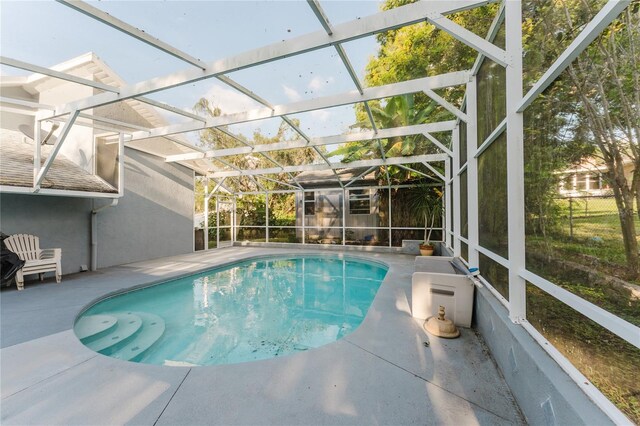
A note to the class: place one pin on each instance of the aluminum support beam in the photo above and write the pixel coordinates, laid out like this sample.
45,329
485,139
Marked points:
615,324
56,148
363,27
297,129
25,103
607,14
437,173
455,186
322,141
491,35
446,105
437,143
410,169
322,17
313,167
355,179
447,204
113,122
472,175
497,132
240,88
297,188
412,86
170,108
515,162
324,21
57,74
218,185
121,164
472,40
37,146
371,119
105,18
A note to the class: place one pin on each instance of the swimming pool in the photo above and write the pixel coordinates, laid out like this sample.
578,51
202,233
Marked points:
250,310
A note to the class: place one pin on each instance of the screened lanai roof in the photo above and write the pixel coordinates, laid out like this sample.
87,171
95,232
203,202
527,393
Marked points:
285,103
284,81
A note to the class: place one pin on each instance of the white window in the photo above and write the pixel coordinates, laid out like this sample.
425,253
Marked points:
309,203
359,201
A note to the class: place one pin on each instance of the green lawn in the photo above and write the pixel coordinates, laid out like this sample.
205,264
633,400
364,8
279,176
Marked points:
608,361
596,231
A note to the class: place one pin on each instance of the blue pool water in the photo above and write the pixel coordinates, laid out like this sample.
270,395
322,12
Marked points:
247,311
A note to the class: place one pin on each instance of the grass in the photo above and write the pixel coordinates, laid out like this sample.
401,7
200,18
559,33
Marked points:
596,235
608,361
595,242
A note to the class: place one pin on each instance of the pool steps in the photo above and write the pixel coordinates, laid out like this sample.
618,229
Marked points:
125,335
94,327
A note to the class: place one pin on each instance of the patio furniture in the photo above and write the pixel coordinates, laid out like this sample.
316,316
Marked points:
37,261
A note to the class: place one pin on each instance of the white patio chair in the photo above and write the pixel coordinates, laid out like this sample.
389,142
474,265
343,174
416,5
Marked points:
37,261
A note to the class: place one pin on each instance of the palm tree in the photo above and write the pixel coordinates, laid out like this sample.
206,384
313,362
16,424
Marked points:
399,111
426,201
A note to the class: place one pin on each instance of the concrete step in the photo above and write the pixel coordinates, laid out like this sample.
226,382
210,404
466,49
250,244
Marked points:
128,324
93,327
151,331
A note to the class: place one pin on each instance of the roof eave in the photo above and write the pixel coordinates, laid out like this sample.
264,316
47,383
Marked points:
22,190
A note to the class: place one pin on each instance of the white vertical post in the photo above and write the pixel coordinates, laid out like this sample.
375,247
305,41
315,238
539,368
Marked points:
121,164
217,222
447,202
266,213
389,205
456,191
304,216
233,222
515,161
206,214
344,216
37,156
472,173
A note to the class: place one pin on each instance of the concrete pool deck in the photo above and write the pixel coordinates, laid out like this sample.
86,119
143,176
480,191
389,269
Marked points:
380,374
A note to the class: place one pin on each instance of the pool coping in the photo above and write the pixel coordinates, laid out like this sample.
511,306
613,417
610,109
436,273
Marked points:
383,359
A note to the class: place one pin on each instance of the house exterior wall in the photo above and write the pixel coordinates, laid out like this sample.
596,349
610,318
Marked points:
155,216
153,219
59,222
11,120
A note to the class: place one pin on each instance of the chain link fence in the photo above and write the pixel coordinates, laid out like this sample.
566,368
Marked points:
594,217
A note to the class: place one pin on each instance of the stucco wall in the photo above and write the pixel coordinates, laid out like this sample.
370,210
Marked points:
544,392
155,216
58,222
153,219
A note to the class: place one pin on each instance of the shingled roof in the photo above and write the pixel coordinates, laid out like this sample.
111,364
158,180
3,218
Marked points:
16,168
327,178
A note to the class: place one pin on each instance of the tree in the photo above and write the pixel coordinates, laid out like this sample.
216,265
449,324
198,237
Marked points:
591,110
602,94
216,139
251,208
399,111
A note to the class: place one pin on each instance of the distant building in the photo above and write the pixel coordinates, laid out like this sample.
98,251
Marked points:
320,207
589,179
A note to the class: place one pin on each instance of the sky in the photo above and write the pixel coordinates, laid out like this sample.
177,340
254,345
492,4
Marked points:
46,33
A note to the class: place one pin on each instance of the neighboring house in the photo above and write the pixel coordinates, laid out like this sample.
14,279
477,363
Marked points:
154,212
321,207
588,179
